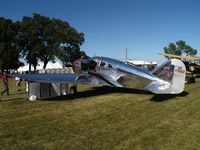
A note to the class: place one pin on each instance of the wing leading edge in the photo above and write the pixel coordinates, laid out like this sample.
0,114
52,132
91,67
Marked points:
60,78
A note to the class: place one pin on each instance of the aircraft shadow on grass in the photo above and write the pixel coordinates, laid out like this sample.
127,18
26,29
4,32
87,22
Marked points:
96,91
164,97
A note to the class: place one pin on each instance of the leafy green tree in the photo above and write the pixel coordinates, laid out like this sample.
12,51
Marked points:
70,42
68,55
9,52
39,38
28,40
57,39
47,38
179,48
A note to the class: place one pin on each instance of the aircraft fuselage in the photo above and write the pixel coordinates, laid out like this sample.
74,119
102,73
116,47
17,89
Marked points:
115,72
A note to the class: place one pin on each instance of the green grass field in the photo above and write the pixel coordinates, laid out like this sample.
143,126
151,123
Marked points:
102,118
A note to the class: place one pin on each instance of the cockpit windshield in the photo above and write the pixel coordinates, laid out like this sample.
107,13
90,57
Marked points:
93,65
85,64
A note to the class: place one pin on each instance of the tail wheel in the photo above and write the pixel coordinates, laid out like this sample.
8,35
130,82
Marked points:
73,90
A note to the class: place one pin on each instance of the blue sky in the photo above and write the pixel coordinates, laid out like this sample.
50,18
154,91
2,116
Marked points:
144,27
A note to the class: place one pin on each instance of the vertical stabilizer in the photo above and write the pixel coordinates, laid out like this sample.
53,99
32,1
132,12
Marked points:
172,74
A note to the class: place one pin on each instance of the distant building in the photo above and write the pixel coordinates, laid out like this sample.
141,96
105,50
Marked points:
143,64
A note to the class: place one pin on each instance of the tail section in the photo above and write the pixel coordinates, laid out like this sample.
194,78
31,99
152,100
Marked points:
171,76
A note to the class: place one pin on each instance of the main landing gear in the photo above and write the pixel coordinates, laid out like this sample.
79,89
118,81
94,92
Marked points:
73,90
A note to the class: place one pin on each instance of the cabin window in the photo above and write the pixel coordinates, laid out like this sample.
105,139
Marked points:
110,66
102,64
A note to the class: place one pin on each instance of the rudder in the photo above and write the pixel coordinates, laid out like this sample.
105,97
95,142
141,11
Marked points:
173,72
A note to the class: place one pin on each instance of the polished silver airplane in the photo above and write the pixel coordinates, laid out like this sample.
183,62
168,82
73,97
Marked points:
168,78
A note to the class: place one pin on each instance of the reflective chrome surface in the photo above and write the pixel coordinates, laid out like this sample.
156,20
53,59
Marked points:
122,74
117,73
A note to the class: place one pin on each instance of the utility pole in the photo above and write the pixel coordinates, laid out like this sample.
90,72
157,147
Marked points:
126,54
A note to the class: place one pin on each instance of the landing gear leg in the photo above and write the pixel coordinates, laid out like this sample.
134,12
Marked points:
73,90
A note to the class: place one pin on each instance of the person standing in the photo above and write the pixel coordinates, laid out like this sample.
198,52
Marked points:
5,84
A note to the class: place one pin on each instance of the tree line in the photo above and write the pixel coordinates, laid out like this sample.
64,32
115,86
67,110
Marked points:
38,38
179,48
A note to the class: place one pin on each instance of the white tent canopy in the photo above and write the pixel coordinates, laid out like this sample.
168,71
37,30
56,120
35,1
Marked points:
24,68
50,65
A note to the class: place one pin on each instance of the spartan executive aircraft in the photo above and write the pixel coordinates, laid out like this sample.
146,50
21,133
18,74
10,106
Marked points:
167,78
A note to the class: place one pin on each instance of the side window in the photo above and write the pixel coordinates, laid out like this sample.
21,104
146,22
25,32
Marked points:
97,61
102,64
110,66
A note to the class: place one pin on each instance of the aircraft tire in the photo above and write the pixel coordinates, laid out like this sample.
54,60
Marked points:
73,90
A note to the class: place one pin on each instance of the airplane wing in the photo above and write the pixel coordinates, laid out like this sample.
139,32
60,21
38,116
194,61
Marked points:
61,78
